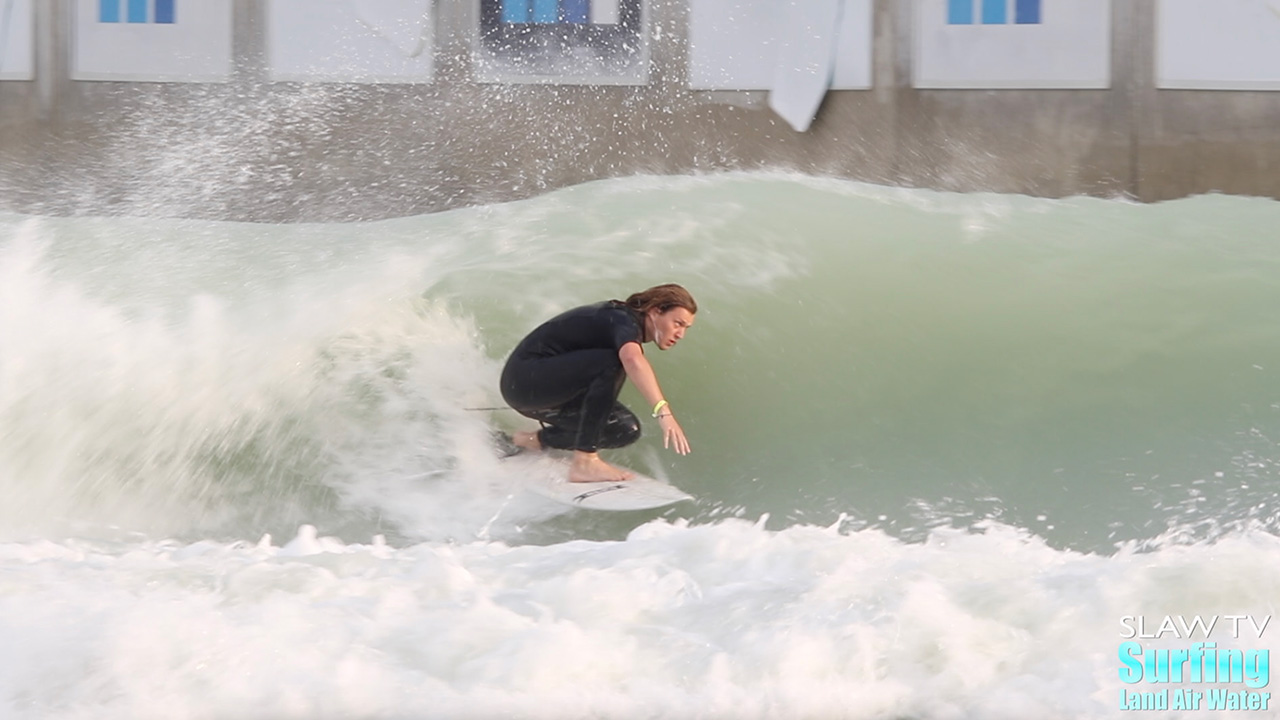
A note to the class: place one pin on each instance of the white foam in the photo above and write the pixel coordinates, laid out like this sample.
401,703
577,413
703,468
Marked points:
724,620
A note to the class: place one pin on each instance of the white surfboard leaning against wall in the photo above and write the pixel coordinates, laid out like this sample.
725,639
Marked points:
795,49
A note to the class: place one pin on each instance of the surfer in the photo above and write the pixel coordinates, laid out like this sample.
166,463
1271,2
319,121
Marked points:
567,374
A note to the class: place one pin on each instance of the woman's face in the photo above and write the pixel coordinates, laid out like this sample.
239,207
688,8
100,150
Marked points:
669,327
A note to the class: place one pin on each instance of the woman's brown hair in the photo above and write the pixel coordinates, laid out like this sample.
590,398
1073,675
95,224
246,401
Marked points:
663,297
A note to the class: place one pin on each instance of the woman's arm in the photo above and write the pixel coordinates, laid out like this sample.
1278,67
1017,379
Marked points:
641,374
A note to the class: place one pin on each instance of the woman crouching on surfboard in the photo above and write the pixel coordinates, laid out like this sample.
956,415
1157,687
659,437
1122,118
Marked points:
568,372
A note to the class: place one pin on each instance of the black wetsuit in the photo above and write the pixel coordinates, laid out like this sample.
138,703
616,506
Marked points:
566,374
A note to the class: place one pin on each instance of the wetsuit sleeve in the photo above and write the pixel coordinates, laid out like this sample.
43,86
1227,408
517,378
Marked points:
623,327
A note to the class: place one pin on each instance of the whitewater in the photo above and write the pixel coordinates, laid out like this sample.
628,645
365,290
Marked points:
946,448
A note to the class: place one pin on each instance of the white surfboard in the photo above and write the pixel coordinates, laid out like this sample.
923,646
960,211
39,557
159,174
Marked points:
806,59
547,475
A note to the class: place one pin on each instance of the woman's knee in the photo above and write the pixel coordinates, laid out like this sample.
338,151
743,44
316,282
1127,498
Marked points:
620,429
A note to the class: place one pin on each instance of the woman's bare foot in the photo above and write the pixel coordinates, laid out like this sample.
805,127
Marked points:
527,440
588,467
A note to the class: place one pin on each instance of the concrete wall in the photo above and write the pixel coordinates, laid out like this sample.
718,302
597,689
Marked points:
256,150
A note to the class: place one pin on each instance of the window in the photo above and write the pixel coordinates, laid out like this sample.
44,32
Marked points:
571,41
136,11
994,12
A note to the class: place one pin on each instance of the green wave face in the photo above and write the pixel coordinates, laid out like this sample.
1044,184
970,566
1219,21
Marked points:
1092,371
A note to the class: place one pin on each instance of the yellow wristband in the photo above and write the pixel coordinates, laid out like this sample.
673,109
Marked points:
656,408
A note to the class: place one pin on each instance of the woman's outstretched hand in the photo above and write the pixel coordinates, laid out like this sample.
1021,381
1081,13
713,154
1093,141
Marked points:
672,434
